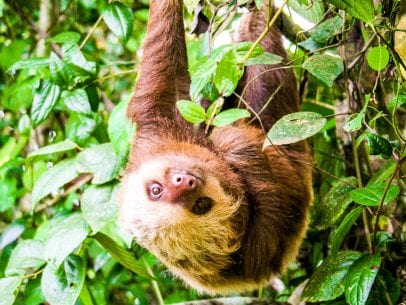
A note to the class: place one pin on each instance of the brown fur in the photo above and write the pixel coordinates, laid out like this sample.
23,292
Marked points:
261,198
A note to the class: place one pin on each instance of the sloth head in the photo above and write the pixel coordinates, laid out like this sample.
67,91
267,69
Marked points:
185,212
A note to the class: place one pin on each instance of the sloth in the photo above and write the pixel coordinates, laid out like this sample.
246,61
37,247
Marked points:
220,212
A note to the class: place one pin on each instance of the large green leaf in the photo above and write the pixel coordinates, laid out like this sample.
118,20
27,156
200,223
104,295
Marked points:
334,203
327,282
120,129
79,128
295,127
101,161
54,179
54,148
77,100
206,69
361,9
371,195
28,64
327,29
378,58
61,285
123,256
325,67
119,19
227,74
341,232
378,145
99,206
360,277
229,116
27,254
191,111
65,235
45,98
8,287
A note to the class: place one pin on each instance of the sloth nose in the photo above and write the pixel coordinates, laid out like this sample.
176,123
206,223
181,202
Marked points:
184,182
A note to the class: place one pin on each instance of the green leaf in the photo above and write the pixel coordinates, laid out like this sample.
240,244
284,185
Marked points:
83,69
77,100
383,173
264,59
65,37
378,145
8,287
325,67
54,148
327,282
33,293
327,29
371,195
227,74
8,194
396,102
99,206
65,235
61,285
202,76
361,9
28,64
341,232
79,128
119,19
120,129
314,11
191,111
334,203
53,179
378,58
355,123
229,116
27,254
123,256
45,98
101,161
360,277
295,127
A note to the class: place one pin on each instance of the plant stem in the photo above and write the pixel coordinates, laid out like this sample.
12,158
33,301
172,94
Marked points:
91,31
269,24
155,286
382,201
359,178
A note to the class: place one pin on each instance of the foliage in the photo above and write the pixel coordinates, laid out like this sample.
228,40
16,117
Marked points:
66,78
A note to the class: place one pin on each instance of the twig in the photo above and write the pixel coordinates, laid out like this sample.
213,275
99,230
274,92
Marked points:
155,286
382,202
95,25
78,183
269,23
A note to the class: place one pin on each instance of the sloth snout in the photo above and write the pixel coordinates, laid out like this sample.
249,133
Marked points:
185,182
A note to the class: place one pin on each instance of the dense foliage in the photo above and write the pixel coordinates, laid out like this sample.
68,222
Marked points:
67,71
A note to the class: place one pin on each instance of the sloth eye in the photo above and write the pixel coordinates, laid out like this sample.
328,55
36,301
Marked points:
202,206
155,191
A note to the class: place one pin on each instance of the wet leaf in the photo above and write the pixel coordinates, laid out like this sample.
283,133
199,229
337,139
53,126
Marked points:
295,127
327,282
119,19
325,67
360,277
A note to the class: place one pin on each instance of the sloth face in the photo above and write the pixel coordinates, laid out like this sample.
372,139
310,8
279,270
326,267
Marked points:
176,208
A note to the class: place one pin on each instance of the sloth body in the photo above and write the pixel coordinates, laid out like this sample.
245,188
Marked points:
219,212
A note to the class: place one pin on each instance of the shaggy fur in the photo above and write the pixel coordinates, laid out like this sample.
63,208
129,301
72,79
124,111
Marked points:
260,198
